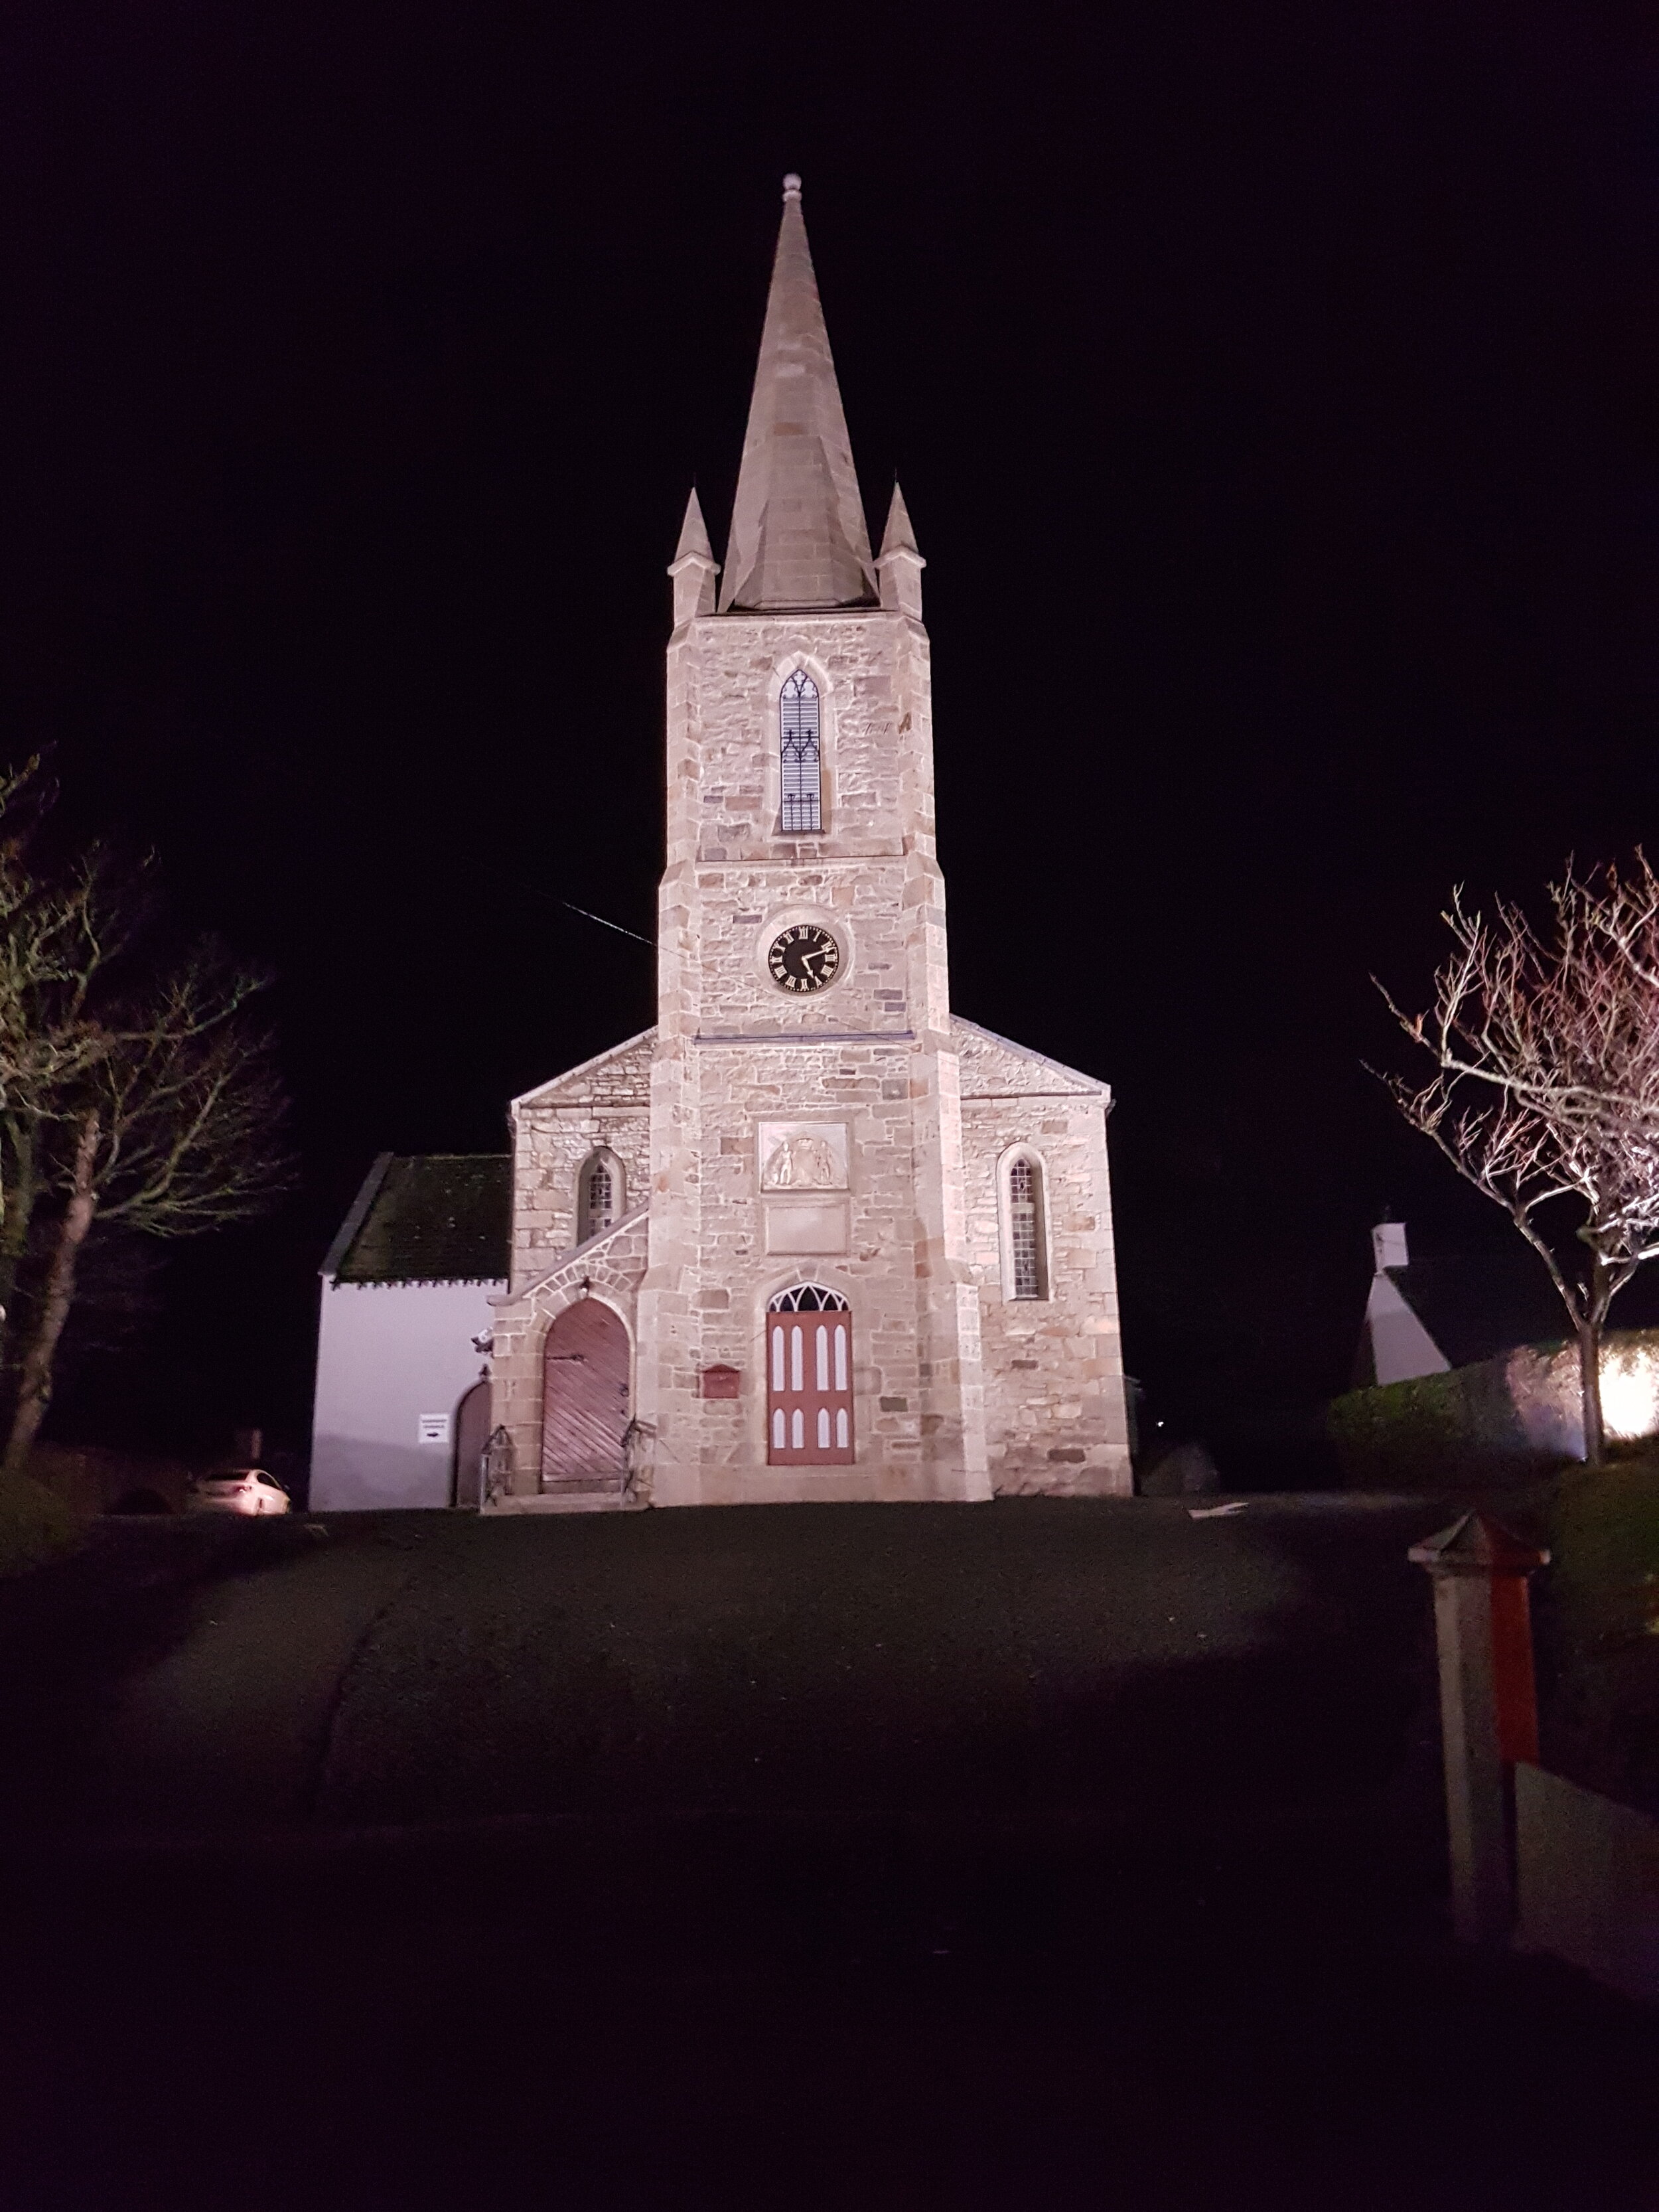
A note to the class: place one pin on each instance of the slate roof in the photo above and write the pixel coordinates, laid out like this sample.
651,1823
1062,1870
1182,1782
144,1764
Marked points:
433,1218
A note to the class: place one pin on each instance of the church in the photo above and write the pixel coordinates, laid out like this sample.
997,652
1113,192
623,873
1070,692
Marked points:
813,1235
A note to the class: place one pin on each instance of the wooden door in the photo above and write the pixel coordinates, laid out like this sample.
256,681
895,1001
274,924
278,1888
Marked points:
471,1442
809,1399
584,1398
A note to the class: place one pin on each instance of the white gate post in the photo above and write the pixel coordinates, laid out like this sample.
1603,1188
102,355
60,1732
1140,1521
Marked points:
1488,1709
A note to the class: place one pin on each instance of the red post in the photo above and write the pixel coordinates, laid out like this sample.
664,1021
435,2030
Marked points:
1514,1683
1488,1707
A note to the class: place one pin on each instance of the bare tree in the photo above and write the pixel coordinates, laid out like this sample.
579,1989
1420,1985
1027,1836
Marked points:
1545,1093
133,1092
63,939
171,1127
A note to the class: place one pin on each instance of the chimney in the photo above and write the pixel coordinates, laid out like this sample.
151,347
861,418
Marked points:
1389,1243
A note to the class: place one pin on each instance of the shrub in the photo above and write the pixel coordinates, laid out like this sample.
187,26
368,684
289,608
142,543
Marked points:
1431,1431
1598,1626
35,1526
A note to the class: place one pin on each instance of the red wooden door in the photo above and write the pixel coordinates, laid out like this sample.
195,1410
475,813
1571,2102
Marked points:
584,1397
808,1373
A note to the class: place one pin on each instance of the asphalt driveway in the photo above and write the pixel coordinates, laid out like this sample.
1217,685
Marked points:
1108,1657
1036,1854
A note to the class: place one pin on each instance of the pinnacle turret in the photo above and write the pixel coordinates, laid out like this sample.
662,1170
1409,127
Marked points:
899,537
798,536
900,565
694,567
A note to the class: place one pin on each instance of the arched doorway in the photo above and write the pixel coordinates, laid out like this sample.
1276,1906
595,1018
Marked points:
471,1441
584,1399
809,1377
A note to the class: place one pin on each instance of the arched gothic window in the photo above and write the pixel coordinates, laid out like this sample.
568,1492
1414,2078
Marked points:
599,1194
800,780
1026,1255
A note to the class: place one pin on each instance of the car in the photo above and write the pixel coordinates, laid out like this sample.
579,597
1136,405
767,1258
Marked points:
235,1490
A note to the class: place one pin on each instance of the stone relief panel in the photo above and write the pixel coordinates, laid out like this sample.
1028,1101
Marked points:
803,1156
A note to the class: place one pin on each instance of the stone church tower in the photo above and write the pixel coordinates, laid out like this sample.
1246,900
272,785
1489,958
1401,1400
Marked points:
812,1236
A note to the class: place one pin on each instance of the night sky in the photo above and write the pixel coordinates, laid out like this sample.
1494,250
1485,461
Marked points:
1272,390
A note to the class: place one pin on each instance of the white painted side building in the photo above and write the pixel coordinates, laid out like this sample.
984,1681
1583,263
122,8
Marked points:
402,1333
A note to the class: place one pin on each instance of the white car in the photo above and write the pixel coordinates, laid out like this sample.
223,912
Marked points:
235,1490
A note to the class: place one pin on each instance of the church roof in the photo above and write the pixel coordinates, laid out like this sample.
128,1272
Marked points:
798,534
994,1066
618,1076
436,1218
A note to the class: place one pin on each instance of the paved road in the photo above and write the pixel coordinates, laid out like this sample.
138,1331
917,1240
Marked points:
1114,1658
1029,1855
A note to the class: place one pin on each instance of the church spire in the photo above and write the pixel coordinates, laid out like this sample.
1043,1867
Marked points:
798,536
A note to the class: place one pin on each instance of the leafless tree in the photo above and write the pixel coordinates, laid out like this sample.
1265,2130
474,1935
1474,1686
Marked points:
62,938
173,1129
1545,1093
134,1091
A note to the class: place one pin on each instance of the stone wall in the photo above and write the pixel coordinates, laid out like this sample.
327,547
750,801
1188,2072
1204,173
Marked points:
1053,1370
606,1103
863,1101
865,1062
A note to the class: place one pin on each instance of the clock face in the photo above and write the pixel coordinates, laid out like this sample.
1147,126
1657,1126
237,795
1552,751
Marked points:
805,958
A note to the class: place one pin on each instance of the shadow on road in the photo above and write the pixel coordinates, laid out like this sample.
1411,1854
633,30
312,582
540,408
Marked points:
900,1859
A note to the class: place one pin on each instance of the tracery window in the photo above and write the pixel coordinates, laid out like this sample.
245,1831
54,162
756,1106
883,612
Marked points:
800,782
1027,1236
808,1297
598,1195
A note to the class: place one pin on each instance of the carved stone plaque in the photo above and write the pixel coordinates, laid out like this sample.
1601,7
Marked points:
803,1156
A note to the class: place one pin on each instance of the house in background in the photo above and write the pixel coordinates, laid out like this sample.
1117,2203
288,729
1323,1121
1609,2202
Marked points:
402,1413
1493,1324
1426,1317
1395,1344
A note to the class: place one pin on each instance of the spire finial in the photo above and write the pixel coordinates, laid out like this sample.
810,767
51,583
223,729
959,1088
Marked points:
791,187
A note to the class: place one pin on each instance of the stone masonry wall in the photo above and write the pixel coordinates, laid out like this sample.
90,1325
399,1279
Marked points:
1054,1366
1055,1414
555,1130
908,1372
869,1055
